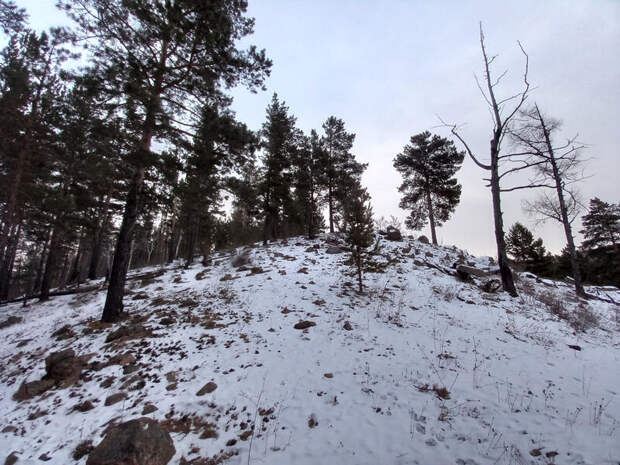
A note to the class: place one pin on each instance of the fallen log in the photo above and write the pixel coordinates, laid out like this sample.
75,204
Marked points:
83,289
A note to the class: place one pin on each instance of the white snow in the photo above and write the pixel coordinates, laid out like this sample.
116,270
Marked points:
515,387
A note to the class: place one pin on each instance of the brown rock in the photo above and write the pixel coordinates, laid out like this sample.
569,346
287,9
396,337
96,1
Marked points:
83,406
64,333
115,398
12,320
11,459
125,359
63,367
148,408
207,388
135,331
347,326
304,324
32,389
137,442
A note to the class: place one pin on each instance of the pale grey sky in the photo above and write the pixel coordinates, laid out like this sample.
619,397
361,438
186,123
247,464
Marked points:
389,68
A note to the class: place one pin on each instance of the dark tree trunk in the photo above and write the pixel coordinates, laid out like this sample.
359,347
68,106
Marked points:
358,263
330,200
95,257
114,298
502,259
8,259
51,264
191,241
431,216
570,243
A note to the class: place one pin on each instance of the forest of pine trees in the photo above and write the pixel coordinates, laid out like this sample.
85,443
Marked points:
135,158
128,162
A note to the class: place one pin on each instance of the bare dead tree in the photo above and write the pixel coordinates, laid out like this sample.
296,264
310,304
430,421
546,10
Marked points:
557,167
503,112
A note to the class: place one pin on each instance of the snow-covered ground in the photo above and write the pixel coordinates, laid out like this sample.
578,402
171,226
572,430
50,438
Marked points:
430,370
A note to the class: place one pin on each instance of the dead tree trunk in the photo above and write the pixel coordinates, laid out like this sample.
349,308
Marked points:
502,116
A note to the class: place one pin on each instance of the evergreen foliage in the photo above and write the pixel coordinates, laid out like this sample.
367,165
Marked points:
601,225
358,226
526,251
342,171
430,190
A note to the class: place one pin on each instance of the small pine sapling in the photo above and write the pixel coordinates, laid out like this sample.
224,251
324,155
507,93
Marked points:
358,227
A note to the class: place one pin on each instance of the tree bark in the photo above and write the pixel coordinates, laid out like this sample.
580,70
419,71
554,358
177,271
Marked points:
118,275
330,195
51,265
502,259
120,264
358,263
570,243
431,215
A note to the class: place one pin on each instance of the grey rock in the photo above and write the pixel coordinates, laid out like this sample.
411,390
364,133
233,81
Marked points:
137,442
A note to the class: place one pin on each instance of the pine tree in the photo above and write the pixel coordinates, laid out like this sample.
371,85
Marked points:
342,171
430,191
279,143
30,79
157,59
309,177
358,227
12,18
220,145
601,225
520,244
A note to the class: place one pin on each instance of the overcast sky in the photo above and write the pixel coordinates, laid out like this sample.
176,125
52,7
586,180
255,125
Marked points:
390,68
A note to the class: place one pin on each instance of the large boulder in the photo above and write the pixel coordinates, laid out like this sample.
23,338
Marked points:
393,234
136,442
466,272
32,389
63,367
423,239
242,259
334,249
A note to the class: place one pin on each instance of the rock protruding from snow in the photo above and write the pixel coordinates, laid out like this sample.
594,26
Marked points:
242,259
423,239
137,442
466,272
207,388
304,324
393,234
334,249
62,369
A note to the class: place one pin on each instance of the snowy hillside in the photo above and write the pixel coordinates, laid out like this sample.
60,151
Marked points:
421,369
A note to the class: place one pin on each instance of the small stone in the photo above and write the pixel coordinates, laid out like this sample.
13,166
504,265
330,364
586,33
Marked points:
329,375
11,459
207,388
148,408
115,398
231,442
304,324
83,406
347,326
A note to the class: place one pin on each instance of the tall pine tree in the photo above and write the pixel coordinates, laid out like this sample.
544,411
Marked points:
342,171
157,58
279,143
430,190
601,225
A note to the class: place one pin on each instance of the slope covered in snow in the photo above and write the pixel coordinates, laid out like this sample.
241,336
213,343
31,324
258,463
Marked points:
420,369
